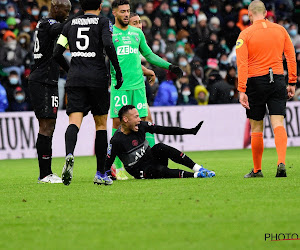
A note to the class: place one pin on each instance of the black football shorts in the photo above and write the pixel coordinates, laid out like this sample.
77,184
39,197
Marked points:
44,98
85,99
261,94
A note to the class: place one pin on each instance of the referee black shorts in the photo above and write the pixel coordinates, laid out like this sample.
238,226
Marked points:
261,94
85,99
44,99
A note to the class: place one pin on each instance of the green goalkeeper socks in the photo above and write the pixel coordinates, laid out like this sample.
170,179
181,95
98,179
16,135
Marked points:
150,138
117,161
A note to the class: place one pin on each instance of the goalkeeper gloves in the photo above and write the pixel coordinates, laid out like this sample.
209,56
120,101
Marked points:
176,70
119,79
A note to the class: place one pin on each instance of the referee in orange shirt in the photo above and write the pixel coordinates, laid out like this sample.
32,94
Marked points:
261,83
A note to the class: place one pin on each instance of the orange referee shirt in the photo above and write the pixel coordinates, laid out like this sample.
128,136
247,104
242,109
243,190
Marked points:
260,47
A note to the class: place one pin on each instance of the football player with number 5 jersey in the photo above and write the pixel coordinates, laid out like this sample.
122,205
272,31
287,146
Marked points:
87,81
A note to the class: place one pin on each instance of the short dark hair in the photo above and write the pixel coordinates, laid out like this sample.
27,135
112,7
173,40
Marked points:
124,111
117,3
90,4
132,14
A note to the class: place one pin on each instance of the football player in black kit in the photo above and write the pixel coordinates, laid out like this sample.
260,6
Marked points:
87,82
144,162
43,84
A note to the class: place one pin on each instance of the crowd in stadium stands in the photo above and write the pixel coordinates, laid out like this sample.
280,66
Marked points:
197,35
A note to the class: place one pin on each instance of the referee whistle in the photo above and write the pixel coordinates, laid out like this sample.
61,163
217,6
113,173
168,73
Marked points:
271,75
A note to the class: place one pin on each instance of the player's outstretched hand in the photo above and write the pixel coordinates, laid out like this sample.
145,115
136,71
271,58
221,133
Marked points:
196,129
119,79
176,70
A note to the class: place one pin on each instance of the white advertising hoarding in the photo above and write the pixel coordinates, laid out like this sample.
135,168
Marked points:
224,127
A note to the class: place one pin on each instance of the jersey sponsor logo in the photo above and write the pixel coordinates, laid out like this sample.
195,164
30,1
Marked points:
239,43
133,33
139,155
83,21
51,21
126,50
83,54
38,56
127,42
141,105
125,38
135,143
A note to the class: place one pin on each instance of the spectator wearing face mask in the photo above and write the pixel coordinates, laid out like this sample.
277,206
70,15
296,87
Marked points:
11,54
3,99
170,56
162,43
214,25
171,40
44,12
184,64
10,10
10,83
243,21
191,17
26,27
156,47
185,97
35,15
201,95
196,7
213,10
19,102
293,32
24,41
180,48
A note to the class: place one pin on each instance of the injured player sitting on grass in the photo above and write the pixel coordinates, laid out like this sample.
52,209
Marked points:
142,161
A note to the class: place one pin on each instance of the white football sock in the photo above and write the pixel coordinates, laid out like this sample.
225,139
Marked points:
197,167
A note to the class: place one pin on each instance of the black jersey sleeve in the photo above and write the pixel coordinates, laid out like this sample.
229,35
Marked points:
152,128
108,44
56,27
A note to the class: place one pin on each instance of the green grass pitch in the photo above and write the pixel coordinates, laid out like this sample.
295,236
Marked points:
225,212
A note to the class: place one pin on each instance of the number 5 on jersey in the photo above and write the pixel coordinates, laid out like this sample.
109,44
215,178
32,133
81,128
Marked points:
84,37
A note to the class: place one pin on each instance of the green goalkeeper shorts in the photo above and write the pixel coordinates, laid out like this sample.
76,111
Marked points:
120,98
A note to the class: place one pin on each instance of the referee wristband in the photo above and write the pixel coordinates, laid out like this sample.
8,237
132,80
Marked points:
292,83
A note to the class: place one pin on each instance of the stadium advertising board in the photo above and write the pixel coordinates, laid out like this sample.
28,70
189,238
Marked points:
224,127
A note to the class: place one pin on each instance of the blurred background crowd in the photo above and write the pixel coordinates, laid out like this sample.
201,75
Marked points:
197,35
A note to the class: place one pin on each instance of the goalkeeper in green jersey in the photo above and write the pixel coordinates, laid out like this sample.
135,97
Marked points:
129,43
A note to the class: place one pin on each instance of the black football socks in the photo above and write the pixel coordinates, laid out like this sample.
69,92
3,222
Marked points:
101,149
71,138
44,151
